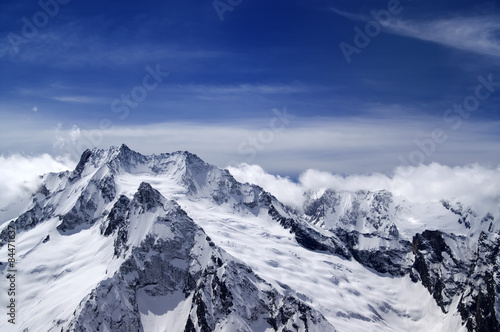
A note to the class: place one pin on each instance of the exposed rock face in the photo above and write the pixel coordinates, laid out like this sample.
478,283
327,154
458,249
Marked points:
437,267
178,268
479,305
117,216
77,173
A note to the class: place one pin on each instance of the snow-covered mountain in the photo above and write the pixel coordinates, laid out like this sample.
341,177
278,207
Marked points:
127,242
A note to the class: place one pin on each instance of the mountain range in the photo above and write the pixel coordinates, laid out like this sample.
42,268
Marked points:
128,242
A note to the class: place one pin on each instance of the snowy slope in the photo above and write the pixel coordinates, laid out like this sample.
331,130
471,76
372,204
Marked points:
127,242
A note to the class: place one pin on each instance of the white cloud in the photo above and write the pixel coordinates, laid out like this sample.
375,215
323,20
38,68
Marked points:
63,139
20,175
472,184
431,182
74,134
283,188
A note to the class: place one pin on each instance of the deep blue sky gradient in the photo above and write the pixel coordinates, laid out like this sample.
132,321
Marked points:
263,55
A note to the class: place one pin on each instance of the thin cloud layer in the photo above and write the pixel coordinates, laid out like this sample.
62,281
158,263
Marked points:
288,146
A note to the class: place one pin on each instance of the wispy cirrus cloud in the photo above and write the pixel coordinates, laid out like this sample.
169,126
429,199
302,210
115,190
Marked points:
477,34
81,99
250,88
474,34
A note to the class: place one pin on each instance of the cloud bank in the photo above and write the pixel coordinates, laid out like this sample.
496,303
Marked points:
472,184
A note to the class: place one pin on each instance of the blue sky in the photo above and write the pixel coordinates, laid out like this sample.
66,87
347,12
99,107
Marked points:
265,82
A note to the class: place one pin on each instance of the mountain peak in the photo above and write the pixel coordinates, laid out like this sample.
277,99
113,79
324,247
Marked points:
147,196
121,159
123,151
124,147
117,158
